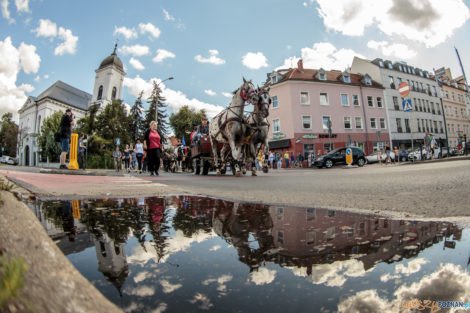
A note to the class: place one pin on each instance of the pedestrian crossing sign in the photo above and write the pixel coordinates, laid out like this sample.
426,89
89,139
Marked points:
407,106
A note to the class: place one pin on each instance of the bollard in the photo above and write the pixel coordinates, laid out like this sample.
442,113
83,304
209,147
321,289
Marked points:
76,209
73,164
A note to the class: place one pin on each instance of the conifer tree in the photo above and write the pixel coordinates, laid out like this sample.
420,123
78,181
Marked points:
157,104
136,122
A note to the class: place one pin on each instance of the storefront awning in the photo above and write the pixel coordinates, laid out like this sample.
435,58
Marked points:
279,144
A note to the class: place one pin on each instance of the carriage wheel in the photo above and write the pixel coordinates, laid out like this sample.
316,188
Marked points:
205,167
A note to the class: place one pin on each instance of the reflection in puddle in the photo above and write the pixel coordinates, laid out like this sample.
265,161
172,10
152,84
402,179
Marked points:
190,253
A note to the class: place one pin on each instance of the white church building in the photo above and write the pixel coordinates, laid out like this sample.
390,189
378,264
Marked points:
60,97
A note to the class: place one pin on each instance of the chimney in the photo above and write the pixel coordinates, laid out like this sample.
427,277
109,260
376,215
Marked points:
300,65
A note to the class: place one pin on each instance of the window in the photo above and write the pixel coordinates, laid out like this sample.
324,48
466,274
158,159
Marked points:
395,104
382,123
310,214
399,80
379,102
418,106
346,79
370,101
373,122
280,213
100,93
325,121
390,66
113,94
344,99
432,108
368,81
435,126
434,91
399,128
306,122
280,236
322,76
327,146
392,83
39,125
304,97
355,99
275,102
358,122
324,98
347,122
276,125
407,125
419,125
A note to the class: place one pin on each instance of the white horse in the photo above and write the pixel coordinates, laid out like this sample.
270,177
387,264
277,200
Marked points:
228,127
257,129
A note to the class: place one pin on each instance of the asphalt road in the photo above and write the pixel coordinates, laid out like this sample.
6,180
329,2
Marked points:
438,189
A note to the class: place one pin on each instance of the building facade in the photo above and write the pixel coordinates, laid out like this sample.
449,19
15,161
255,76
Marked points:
306,101
455,100
60,97
427,115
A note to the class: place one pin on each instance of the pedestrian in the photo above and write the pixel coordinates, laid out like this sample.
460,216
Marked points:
300,159
433,145
292,159
127,158
397,156
81,151
152,143
427,143
133,158
66,123
279,160
271,159
309,160
139,153
259,160
117,156
286,159
387,153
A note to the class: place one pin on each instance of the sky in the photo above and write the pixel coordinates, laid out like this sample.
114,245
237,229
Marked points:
208,46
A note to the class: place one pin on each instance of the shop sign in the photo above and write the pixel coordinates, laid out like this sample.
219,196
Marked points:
278,136
310,136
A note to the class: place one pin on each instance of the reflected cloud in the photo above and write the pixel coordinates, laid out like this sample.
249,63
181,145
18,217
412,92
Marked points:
215,248
161,308
169,287
449,283
141,276
141,291
336,273
222,288
202,300
263,276
414,266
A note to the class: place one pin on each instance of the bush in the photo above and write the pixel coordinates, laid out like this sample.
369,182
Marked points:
102,161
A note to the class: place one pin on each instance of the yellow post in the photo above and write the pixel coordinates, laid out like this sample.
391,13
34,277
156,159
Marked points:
76,209
73,164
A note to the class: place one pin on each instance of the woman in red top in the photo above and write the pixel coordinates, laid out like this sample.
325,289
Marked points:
152,142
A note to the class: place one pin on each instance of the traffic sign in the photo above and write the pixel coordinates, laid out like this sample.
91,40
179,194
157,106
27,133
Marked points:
407,106
349,156
404,89
118,142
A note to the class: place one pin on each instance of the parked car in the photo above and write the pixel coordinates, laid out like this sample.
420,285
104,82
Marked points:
12,161
4,159
373,157
403,155
338,156
416,155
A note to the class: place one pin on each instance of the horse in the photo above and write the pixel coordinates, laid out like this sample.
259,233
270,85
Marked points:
228,127
257,129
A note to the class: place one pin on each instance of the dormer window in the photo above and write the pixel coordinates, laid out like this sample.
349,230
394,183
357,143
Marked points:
390,66
321,74
113,94
421,73
346,78
367,80
400,68
381,63
426,74
274,79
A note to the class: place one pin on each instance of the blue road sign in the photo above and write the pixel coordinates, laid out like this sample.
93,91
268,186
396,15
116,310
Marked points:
118,142
407,106
349,156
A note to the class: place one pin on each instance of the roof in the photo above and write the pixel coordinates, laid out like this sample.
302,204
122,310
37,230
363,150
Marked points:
112,59
332,76
67,94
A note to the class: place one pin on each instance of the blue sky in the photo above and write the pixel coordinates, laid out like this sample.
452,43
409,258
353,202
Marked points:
209,45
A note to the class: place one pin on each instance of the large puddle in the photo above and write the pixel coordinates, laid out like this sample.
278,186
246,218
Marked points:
187,254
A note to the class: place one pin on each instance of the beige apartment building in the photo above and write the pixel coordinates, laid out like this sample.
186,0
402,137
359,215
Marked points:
456,100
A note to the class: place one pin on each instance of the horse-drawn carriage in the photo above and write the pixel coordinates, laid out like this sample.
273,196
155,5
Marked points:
235,139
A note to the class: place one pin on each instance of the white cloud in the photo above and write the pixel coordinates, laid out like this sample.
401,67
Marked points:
169,287
254,61
46,76
128,33
449,282
430,22
212,59
29,59
22,5
12,60
141,276
149,28
136,50
6,12
210,92
70,42
221,281
227,94
263,276
397,50
162,306
168,16
46,28
325,55
136,64
37,78
163,54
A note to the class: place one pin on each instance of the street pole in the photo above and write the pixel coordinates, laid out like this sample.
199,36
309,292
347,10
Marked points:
156,104
443,114
412,123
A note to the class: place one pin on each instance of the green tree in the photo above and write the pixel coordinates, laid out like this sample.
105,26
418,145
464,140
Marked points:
8,135
113,123
184,122
50,149
136,121
157,104
87,124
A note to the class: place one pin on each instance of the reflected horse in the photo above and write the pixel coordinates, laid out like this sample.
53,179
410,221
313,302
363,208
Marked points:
228,127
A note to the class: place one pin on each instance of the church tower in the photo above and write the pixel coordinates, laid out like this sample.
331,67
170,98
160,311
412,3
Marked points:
108,80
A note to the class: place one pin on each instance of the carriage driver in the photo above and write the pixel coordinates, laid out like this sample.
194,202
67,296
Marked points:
202,129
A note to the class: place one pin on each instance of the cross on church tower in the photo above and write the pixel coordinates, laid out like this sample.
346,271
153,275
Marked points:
115,45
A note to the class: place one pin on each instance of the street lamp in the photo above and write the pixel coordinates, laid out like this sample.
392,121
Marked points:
156,104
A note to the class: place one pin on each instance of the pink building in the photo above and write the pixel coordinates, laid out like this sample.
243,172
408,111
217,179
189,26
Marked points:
306,100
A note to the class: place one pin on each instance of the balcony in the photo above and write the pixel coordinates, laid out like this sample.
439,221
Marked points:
400,130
